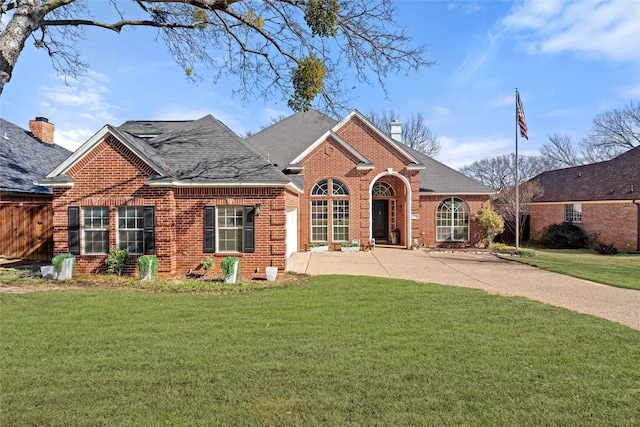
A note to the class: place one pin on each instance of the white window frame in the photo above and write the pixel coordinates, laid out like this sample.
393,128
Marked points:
340,213
233,223
457,220
320,220
573,212
104,228
137,230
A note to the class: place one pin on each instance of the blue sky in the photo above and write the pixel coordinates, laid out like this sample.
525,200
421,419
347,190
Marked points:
569,60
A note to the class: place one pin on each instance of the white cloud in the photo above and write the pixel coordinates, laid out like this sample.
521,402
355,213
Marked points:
593,29
85,97
456,153
475,60
72,139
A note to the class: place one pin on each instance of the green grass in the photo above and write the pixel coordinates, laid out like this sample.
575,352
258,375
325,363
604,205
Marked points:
337,350
622,271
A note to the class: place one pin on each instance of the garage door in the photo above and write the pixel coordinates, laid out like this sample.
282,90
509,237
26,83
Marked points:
292,231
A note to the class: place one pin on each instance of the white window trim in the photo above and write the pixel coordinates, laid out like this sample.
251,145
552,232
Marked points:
84,229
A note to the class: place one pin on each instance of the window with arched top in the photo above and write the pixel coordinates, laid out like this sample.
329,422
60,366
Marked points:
382,189
321,188
339,188
452,220
338,219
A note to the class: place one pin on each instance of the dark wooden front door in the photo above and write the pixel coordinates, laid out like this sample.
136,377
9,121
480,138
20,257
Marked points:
381,220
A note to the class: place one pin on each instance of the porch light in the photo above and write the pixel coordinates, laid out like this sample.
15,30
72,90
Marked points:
257,209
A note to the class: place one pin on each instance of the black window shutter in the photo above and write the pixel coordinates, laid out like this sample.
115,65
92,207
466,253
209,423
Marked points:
209,229
73,214
249,243
149,230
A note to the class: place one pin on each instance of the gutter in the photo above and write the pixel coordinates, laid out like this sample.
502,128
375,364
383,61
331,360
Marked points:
637,203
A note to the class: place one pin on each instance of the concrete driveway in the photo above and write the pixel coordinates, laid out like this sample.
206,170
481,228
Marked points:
481,271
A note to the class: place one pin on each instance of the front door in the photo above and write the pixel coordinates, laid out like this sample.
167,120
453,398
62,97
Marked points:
381,220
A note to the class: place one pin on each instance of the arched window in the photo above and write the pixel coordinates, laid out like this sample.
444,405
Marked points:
452,220
382,189
321,188
339,189
339,220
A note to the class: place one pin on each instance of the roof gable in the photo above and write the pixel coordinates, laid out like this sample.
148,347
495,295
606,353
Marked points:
24,159
136,145
283,141
615,179
399,148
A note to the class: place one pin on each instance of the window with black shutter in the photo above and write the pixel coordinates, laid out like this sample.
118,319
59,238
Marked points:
249,213
149,230
73,213
209,229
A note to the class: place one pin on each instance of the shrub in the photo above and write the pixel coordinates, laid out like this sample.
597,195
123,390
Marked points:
57,262
116,260
148,264
563,236
208,263
227,266
491,224
601,247
502,249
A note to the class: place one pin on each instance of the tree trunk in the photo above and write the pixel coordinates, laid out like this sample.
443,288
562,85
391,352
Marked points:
25,20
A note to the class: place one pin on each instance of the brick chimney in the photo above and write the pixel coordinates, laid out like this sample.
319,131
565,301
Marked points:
42,129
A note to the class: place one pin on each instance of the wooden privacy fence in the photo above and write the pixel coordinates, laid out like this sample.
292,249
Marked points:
26,230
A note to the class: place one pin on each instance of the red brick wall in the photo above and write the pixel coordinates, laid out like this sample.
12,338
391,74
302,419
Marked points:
331,160
617,222
428,212
112,176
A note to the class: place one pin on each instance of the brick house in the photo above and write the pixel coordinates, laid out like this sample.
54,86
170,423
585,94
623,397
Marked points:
360,184
26,228
600,197
191,189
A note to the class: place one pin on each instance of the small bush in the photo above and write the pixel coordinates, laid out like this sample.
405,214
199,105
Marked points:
563,236
502,249
116,260
601,247
148,264
208,263
57,262
491,224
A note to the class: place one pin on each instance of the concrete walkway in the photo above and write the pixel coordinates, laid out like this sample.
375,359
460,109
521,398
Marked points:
481,271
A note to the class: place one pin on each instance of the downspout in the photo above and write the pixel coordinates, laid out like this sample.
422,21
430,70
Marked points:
637,203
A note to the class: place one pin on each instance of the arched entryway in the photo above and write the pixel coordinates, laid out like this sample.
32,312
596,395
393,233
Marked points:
390,209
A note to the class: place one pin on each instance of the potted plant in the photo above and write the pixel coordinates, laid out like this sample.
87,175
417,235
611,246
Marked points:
350,247
148,267
319,247
64,265
229,268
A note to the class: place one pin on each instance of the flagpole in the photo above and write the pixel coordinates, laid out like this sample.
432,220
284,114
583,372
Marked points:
517,183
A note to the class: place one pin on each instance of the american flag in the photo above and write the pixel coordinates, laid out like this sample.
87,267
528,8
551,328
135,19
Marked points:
521,121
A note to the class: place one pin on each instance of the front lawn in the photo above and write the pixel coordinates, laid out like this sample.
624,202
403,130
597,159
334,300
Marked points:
621,270
338,350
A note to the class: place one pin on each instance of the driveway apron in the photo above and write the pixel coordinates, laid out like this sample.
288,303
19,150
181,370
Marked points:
480,271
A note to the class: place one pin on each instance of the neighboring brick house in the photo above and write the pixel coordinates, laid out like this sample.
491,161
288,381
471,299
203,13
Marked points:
187,190
360,184
600,197
26,227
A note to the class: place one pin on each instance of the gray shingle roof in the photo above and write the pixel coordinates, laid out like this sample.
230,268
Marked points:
284,141
25,159
438,178
615,179
205,150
